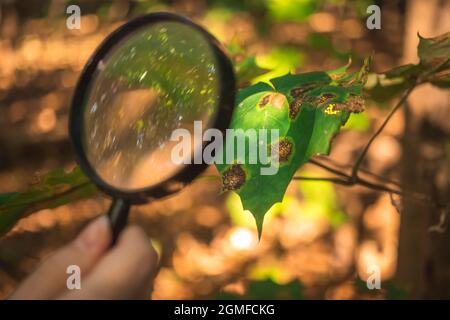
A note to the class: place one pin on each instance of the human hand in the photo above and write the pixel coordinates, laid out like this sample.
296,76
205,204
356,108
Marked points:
125,271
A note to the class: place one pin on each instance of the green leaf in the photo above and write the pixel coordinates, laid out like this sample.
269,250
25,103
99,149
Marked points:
245,65
5,197
247,70
279,61
381,89
308,110
434,52
358,122
54,189
247,92
433,67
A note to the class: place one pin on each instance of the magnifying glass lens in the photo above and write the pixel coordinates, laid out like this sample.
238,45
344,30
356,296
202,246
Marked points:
159,78
156,82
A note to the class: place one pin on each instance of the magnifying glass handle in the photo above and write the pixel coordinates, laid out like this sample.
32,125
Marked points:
118,216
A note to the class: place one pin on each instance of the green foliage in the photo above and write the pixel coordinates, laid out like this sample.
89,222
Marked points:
291,10
50,191
324,101
358,121
308,110
245,66
433,67
268,290
279,61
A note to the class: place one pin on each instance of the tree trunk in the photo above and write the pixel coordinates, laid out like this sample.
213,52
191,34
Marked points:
423,266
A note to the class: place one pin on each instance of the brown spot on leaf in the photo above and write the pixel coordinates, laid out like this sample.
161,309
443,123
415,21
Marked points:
283,148
265,100
325,97
294,107
233,178
300,91
277,100
329,95
354,104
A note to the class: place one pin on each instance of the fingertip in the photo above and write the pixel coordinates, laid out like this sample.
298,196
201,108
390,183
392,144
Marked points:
96,237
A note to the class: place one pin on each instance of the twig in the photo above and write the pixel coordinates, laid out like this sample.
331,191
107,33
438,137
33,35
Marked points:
329,169
361,169
328,179
354,179
377,133
349,182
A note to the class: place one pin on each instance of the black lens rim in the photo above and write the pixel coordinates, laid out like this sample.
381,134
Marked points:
188,172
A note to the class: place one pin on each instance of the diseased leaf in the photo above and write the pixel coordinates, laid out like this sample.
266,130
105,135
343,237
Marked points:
434,52
433,67
308,110
247,92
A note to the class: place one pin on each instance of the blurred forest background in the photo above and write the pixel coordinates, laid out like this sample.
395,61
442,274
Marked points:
321,240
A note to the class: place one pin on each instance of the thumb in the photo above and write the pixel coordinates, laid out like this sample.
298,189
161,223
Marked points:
124,272
49,280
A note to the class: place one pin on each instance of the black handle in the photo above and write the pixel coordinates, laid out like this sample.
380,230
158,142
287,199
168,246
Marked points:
118,216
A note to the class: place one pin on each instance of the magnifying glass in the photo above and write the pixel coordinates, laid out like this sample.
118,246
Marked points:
153,75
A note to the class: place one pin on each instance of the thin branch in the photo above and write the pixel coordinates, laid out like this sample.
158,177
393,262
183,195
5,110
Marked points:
361,181
363,170
377,133
375,186
329,179
350,183
329,169
347,180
